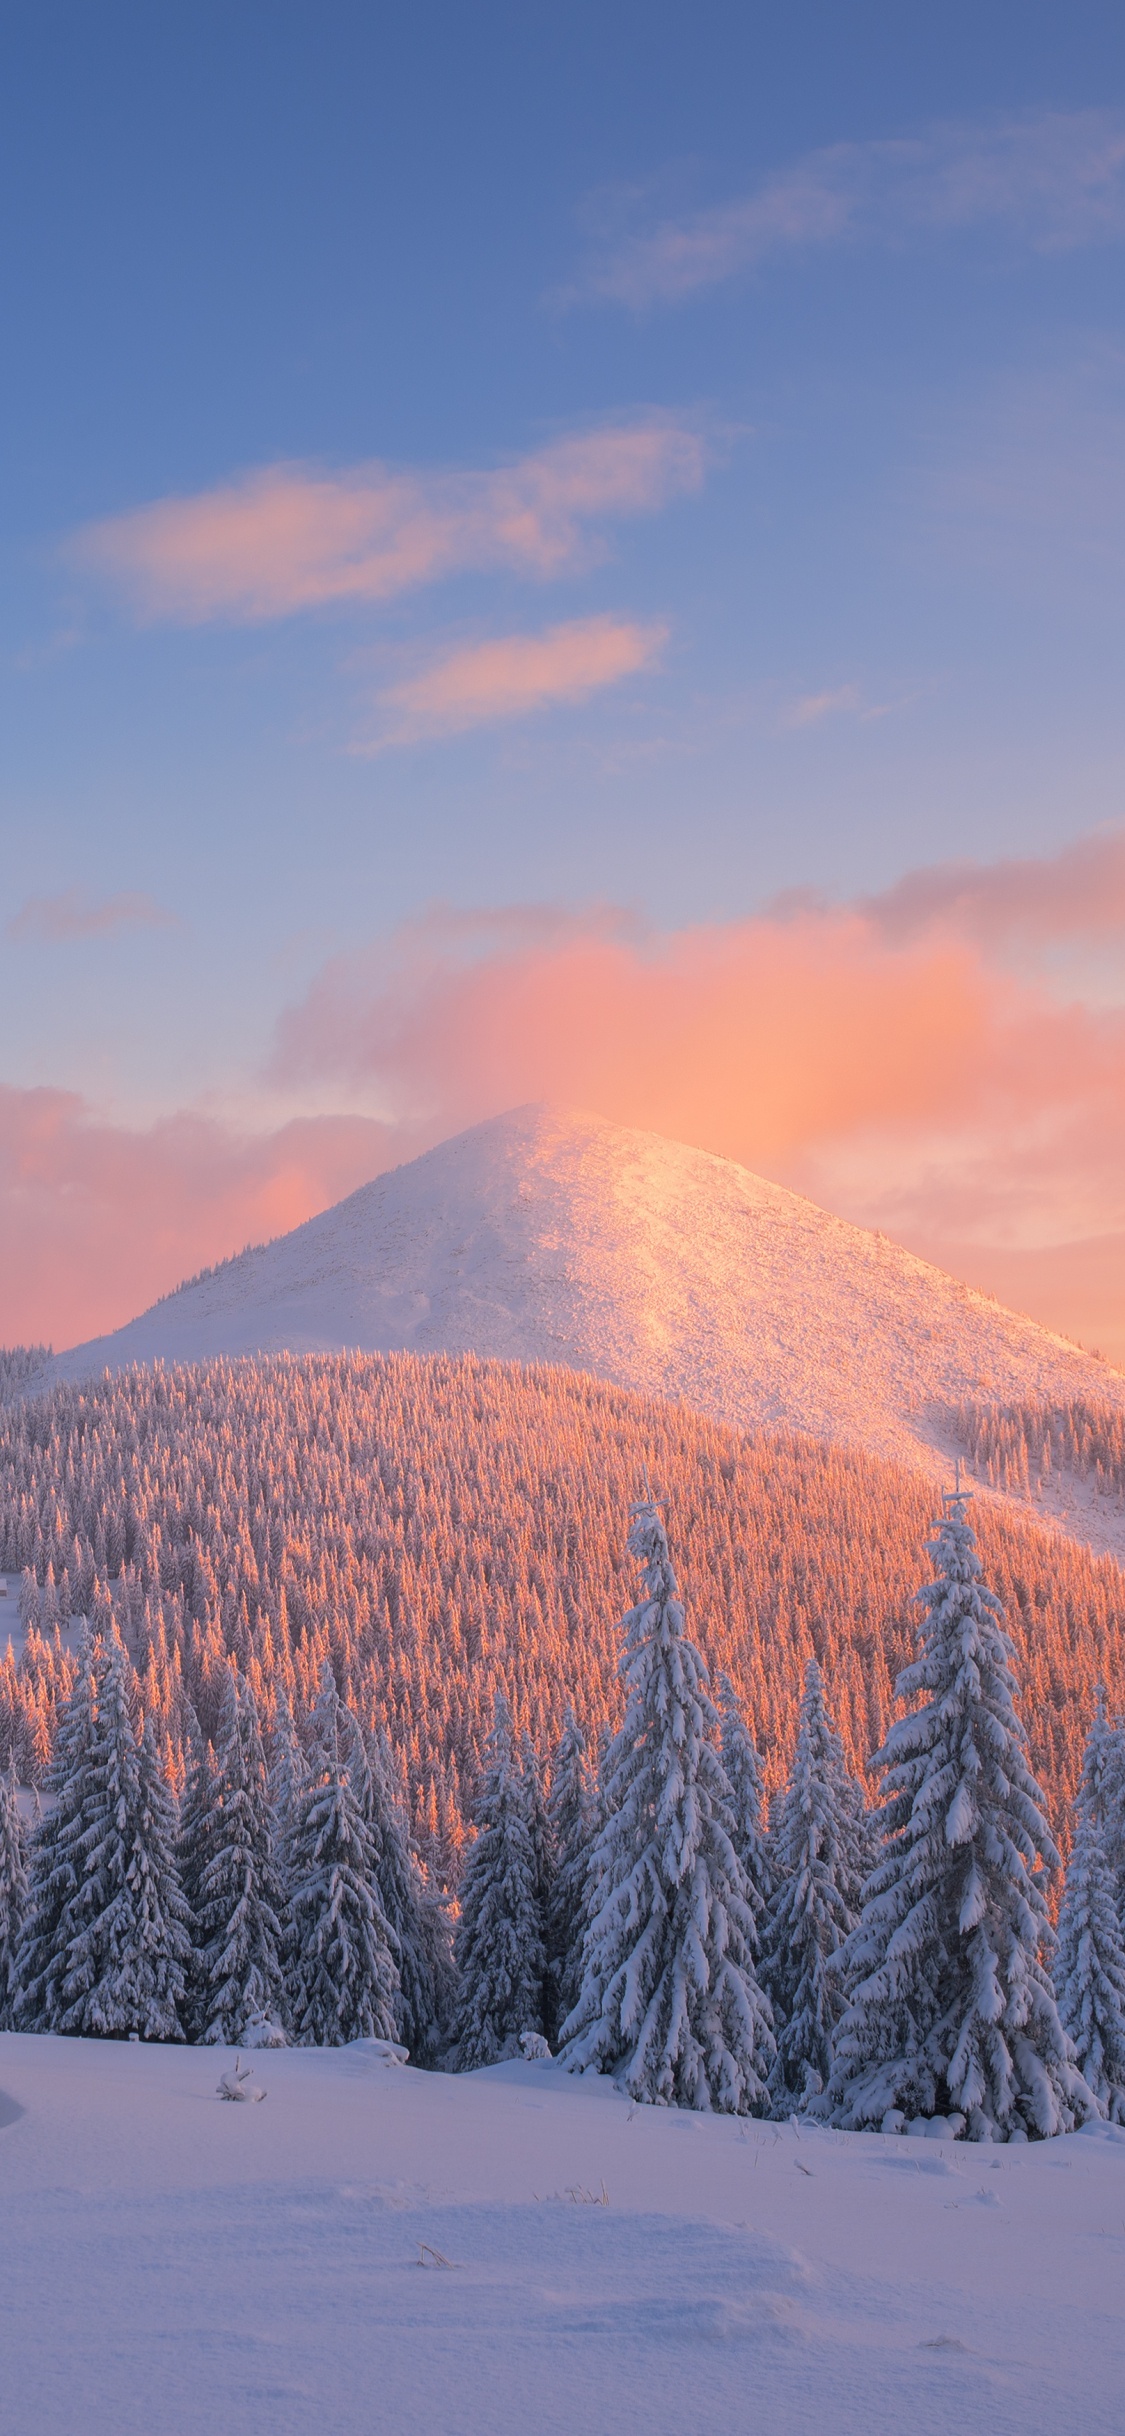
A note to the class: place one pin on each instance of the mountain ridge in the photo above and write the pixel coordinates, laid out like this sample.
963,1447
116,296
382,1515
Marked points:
553,1235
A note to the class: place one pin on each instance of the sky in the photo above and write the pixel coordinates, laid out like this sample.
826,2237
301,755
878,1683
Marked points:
563,553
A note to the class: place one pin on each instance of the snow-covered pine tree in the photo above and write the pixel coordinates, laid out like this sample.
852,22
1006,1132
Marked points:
572,1813
13,1891
815,1905
155,1961
417,1919
342,1975
951,2009
539,1828
1101,1791
669,1999
56,1859
743,1770
1089,1961
862,1837
128,1943
106,1940
192,1850
499,1940
285,1772
235,1896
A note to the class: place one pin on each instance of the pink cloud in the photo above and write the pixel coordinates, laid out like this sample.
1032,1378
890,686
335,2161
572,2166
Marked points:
1078,893
1055,178
885,1057
892,1067
810,204
1077,1287
97,1219
809,709
288,538
515,674
75,915
757,1038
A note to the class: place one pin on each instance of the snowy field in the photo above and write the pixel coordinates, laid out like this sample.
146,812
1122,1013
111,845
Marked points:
173,2266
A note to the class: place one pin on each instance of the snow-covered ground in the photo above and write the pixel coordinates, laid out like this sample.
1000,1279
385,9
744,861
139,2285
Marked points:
174,2266
548,1236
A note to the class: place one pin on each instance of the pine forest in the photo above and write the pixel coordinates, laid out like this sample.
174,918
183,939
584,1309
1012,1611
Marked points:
440,1529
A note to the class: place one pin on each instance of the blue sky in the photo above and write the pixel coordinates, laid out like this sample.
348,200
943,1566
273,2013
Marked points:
841,285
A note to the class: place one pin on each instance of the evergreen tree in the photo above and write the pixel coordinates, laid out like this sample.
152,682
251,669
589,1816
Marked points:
499,1942
951,2007
861,1840
285,1772
814,1907
156,1959
193,1852
1101,1791
13,1891
428,1970
235,1894
572,1812
347,1494
539,1829
57,1859
107,1936
342,1975
669,1997
1089,1964
417,1919
743,1770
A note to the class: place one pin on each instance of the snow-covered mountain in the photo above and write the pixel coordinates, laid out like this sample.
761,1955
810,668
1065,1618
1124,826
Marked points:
546,1235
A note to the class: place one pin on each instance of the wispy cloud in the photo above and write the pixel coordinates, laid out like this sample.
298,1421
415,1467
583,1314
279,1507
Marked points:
74,915
1054,178
287,538
809,709
512,675
1036,900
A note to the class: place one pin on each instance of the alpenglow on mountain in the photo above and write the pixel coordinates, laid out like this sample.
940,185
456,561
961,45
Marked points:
546,1235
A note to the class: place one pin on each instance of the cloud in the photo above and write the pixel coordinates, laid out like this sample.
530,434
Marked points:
1055,179
909,1060
758,1037
288,538
810,709
514,674
97,1219
72,914
1077,1287
1077,894
884,1056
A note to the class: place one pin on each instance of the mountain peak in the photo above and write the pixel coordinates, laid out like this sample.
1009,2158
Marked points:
551,1234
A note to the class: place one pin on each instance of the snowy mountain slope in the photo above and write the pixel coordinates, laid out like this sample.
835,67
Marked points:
545,1235
173,2266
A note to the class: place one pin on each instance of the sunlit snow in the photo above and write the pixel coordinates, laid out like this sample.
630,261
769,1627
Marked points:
522,2253
548,1236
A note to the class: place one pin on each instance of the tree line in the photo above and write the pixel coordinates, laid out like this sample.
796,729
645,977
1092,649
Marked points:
1021,1447
437,1527
280,1898
638,1912
888,1968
